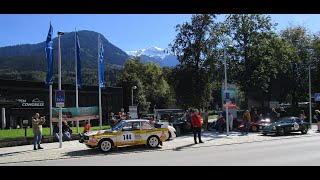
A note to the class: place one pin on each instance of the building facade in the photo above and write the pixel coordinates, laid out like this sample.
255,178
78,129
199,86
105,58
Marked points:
22,99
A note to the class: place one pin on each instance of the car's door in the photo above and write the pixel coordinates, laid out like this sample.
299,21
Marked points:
127,134
287,124
146,129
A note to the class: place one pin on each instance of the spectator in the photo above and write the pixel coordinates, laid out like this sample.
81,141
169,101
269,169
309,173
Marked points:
302,115
86,127
112,120
260,117
196,123
56,131
246,121
230,120
122,113
37,123
188,115
128,116
205,120
273,115
255,116
283,113
220,123
317,116
66,131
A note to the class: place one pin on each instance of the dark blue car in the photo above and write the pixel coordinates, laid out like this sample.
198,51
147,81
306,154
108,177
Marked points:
286,125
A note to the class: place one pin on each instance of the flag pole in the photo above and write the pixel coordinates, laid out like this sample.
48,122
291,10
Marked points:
100,109
76,65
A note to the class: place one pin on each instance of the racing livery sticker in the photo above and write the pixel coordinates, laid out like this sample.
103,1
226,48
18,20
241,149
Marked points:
127,137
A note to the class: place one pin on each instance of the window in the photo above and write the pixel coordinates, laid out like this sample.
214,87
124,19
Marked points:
286,120
130,126
146,125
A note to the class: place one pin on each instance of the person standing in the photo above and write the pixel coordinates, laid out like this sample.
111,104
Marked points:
196,123
113,120
317,116
56,131
128,116
205,120
273,115
37,123
283,113
246,121
230,120
302,115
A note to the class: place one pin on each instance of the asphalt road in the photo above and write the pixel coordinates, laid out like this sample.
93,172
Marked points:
300,150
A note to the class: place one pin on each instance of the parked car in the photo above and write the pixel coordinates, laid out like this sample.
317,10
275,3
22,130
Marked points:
126,132
286,125
256,126
182,125
169,126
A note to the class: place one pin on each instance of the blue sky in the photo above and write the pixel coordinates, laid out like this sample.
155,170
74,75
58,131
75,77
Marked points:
127,31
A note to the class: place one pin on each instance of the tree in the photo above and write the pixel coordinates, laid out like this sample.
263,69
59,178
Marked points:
193,47
251,63
298,38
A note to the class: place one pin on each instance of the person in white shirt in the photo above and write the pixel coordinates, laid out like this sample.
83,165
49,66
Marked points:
230,119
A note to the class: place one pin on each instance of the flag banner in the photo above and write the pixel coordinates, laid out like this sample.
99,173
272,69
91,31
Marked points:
101,66
49,56
79,79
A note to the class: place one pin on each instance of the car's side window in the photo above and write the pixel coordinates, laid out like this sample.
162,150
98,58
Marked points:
127,127
136,126
146,126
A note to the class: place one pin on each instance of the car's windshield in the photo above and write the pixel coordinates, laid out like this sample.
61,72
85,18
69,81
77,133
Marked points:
118,126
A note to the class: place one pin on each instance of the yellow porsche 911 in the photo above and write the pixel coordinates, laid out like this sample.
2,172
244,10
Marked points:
126,132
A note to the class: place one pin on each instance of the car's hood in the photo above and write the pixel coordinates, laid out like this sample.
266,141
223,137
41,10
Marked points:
91,133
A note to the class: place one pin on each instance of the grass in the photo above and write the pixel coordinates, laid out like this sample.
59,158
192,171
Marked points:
19,133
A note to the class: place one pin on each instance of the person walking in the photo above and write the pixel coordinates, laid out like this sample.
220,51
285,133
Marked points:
196,123
37,123
205,120
230,120
246,121
317,117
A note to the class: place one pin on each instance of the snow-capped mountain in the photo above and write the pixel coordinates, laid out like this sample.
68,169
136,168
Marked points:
155,54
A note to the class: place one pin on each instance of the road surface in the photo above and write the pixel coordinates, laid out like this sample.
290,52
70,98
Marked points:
300,150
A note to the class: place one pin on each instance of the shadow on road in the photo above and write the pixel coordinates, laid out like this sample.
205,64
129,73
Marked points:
22,152
115,151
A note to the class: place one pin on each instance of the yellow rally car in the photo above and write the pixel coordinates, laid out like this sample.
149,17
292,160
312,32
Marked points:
126,132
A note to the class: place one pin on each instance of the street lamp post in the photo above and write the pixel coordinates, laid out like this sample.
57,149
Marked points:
226,88
310,105
134,87
59,72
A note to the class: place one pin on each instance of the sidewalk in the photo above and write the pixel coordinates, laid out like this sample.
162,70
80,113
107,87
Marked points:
74,149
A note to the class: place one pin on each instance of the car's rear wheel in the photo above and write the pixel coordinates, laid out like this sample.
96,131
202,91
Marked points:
280,131
304,130
254,128
105,145
153,141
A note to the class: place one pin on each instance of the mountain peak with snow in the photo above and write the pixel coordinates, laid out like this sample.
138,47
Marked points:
155,54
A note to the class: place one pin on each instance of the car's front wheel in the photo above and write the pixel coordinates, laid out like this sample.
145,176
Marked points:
105,145
153,141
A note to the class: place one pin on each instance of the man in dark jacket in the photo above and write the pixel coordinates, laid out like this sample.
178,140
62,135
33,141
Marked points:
283,113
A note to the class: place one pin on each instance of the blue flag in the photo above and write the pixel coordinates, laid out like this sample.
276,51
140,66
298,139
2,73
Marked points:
49,56
79,80
101,66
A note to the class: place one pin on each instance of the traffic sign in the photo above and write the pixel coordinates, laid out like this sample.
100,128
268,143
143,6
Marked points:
317,97
60,98
227,97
